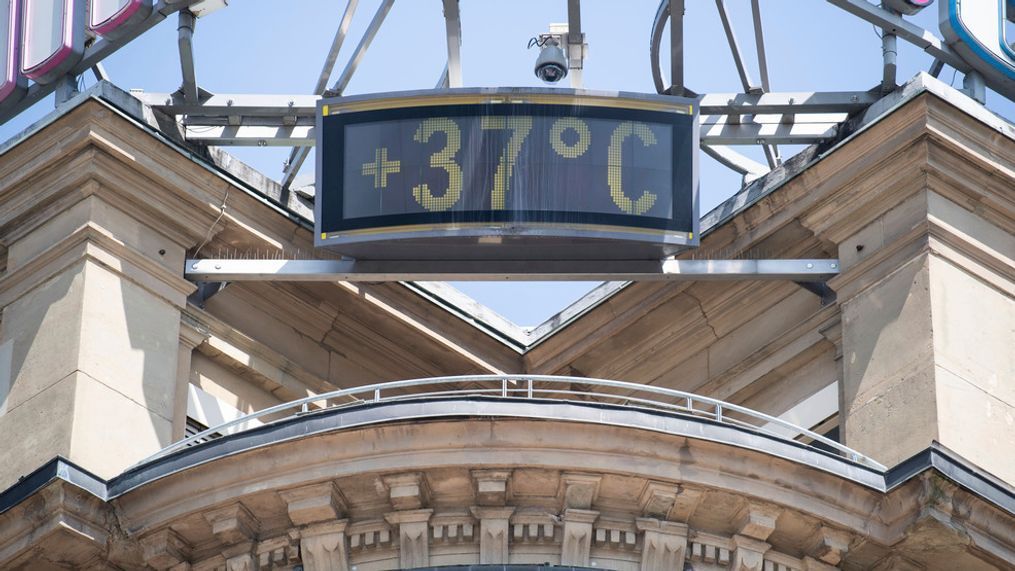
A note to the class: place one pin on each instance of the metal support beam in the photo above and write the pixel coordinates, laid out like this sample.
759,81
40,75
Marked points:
677,86
714,131
326,71
453,25
759,44
185,41
731,38
298,158
904,29
95,53
493,270
100,72
575,43
736,162
252,106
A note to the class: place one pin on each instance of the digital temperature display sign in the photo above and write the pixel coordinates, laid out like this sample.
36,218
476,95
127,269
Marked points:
539,168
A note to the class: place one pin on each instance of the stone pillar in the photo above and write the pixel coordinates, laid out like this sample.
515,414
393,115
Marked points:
190,338
315,509
323,547
577,542
664,544
494,524
749,554
91,296
927,297
413,537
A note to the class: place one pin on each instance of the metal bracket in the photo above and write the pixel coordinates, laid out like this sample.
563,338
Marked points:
810,270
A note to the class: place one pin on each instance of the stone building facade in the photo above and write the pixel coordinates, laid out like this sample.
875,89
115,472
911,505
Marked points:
108,355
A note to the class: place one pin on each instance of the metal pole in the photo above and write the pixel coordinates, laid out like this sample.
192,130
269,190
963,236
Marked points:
676,47
453,26
293,168
185,41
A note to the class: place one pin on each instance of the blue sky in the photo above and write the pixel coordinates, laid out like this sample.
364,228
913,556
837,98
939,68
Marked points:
258,46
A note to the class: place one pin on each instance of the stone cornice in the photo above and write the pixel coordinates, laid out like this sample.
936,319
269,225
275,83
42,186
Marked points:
90,242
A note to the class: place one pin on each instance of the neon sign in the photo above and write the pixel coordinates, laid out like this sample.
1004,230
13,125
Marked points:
53,38
111,18
977,29
13,85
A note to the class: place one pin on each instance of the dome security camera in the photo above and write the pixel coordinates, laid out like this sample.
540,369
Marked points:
551,65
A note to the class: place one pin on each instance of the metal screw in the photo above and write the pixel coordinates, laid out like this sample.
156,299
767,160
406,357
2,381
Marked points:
193,266
218,266
809,266
835,266
229,103
854,98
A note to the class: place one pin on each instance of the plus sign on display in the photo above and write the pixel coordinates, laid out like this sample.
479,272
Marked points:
511,170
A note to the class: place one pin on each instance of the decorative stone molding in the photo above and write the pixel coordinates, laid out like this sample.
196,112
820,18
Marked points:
491,486
664,544
323,547
164,549
314,503
577,541
757,520
232,524
709,548
830,545
413,537
369,534
494,526
407,491
451,528
749,554
614,534
530,527
657,499
278,551
579,490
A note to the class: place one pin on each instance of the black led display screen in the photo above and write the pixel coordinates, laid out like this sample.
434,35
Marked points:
507,163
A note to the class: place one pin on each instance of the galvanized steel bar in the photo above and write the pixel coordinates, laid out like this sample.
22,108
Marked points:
492,270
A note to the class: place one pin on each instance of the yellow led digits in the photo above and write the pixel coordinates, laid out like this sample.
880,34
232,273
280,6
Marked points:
381,168
520,128
615,164
443,159
581,145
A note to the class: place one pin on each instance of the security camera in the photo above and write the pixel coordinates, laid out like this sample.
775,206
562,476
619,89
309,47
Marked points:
551,65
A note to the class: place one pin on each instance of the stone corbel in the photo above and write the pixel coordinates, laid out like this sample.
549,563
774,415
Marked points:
577,543
491,486
757,521
164,549
579,490
407,491
323,547
664,544
413,537
829,545
657,499
314,503
749,554
232,524
494,524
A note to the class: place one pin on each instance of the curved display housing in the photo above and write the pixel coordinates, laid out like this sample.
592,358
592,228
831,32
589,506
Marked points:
507,174
13,85
53,38
112,18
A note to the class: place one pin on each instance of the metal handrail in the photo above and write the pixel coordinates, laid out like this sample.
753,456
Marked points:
524,387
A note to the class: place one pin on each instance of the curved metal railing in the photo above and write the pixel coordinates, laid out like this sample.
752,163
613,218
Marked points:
533,387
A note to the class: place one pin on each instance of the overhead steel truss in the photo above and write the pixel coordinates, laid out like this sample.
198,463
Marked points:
757,116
